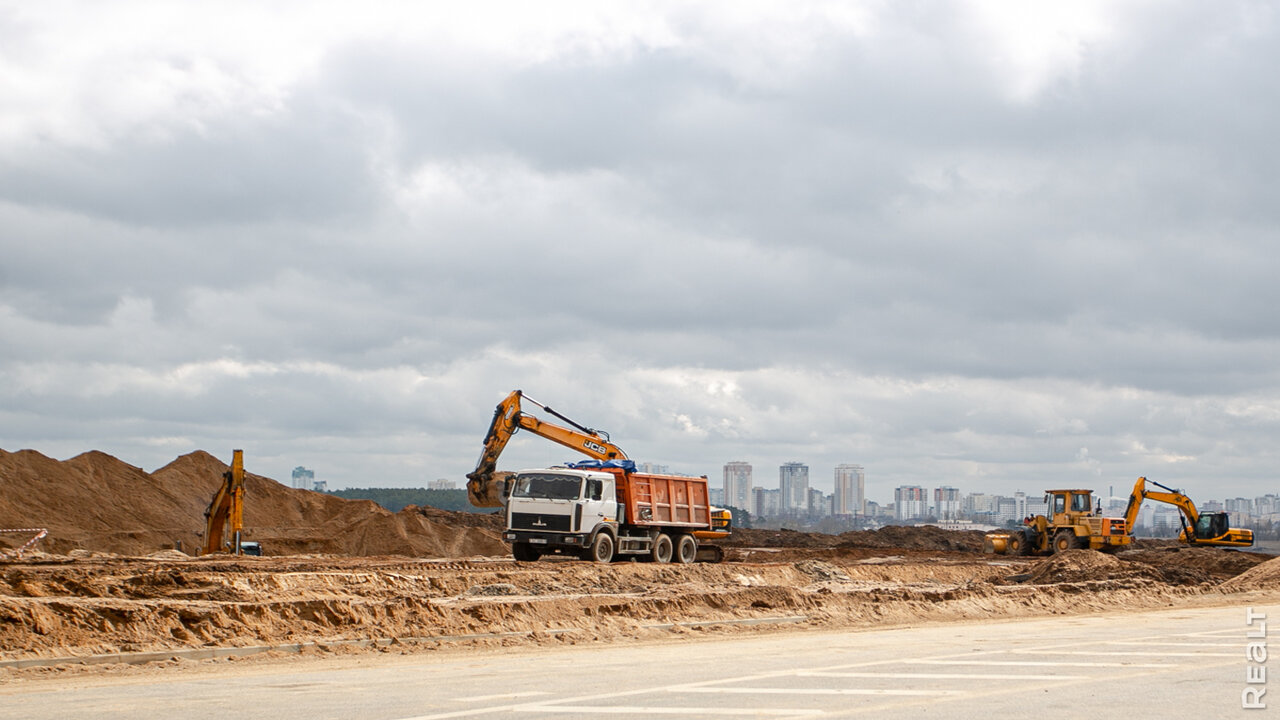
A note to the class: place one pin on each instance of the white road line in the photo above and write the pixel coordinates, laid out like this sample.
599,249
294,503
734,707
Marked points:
941,676
612,710
503,696
818,691
1171,644
1034,663
1127,652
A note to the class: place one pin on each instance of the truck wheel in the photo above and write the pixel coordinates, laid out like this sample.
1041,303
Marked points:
524,552
662,549
1065,540
1017,544
601,549
687,549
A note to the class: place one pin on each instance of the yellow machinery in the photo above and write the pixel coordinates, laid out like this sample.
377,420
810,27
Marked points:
226,511
1071,524
486,487
1197,528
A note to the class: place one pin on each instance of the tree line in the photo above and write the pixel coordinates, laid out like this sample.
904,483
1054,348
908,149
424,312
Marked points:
396,499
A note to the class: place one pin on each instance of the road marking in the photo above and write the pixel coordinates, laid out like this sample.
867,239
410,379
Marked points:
1171,644
816,691
503,696
612,710
1126,652
941,676
1034,663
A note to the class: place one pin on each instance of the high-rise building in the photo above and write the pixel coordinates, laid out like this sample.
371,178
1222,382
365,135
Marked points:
442,484
793,486
850,490
737,484
819,504
764,502
303,478
909,502
946,503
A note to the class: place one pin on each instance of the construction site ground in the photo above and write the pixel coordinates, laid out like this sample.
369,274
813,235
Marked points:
167,611
108,592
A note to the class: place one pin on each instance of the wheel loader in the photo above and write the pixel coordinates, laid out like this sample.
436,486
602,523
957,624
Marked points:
1071,524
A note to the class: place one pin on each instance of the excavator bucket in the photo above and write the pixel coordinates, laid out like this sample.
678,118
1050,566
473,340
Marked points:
488,489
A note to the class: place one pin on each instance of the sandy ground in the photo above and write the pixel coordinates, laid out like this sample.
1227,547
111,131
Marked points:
60,607
342,573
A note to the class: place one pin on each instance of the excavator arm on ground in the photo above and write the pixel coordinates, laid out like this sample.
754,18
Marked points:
226,511
1197,528
486,486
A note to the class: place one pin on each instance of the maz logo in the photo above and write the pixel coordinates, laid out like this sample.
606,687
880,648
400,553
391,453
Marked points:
539,523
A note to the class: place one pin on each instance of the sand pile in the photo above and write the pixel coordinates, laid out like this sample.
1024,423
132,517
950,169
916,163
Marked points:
1079,566
929,537
96,502
1265,576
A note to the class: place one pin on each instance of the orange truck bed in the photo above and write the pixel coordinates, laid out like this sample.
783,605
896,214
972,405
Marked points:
669,500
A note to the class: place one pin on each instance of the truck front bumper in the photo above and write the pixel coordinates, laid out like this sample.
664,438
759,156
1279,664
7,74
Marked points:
546,539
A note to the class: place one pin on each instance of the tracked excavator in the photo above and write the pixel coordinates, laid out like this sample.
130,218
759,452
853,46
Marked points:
1197,528
224,518
598,510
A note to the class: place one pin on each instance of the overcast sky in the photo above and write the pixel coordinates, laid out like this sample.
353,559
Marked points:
994,245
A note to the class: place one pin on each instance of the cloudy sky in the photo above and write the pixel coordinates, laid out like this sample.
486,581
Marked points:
995,245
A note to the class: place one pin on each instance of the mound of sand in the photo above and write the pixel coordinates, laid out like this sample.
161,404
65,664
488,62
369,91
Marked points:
98,503
928,537
1265,576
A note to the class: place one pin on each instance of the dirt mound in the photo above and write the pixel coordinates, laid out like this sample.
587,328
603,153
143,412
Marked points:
1080,566
1090,565
98,503
1265,576
928,537
1219,564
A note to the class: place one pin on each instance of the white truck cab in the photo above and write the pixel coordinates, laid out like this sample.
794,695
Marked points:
558,510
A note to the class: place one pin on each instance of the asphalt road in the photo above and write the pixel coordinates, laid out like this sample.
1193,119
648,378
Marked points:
1144,665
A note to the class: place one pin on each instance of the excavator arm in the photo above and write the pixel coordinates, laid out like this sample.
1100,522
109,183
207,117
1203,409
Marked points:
486,486
1197,528
226,509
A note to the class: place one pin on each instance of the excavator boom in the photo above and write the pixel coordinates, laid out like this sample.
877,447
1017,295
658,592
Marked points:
226,510
486,486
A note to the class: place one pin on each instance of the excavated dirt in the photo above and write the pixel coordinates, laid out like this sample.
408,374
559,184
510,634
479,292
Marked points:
108,579
97,503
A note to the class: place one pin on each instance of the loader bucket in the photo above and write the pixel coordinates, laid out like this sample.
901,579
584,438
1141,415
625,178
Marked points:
996,543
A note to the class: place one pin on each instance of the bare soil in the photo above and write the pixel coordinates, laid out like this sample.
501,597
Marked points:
109,579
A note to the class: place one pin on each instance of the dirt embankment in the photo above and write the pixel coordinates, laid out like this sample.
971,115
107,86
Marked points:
97,503
334,577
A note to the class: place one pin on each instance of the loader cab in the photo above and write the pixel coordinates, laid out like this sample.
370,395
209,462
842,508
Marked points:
1067,504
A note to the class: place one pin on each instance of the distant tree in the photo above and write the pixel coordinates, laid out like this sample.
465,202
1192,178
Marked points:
396,499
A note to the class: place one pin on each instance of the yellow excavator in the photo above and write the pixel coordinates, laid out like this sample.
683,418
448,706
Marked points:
225,514
487,487
1197,528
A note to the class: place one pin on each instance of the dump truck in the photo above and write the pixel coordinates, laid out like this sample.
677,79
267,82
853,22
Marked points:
598,509
1197,528
606,510
1071,524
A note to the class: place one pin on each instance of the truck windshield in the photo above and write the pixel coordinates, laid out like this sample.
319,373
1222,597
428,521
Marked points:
552,487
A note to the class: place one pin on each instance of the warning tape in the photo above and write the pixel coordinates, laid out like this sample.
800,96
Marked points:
40,533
